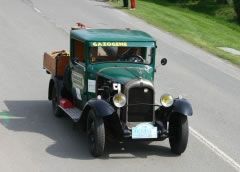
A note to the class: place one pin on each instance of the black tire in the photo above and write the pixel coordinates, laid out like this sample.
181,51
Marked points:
55,102
96,134
178,133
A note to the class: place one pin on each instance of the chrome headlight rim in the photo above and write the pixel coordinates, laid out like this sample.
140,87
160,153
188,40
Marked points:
119,100
166,100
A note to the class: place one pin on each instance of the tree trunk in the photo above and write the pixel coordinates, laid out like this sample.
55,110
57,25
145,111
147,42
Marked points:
237,8
221,1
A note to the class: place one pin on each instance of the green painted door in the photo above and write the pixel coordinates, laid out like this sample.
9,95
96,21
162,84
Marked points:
78,74
79,84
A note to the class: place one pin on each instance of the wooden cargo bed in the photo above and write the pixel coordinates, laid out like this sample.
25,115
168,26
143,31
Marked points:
56,62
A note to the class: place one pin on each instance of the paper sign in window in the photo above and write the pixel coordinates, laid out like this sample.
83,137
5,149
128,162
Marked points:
91,86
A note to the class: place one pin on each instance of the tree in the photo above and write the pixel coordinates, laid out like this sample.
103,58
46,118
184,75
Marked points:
237,8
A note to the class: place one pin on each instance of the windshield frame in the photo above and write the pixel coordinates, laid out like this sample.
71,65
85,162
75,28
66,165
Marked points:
140,45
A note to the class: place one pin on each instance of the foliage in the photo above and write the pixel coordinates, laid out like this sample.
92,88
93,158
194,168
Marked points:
221,1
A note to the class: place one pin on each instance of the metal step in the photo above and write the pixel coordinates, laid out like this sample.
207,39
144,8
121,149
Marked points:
74,113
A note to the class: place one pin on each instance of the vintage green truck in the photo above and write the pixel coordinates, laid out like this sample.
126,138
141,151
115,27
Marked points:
106,85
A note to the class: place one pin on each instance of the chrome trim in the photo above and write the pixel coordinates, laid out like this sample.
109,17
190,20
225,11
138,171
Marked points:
83,66
138,83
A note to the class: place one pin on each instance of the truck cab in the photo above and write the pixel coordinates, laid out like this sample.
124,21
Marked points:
115,55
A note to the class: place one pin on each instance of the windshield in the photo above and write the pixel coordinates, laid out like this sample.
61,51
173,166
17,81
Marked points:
141,55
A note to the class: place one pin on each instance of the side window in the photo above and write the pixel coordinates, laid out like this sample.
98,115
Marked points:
78,51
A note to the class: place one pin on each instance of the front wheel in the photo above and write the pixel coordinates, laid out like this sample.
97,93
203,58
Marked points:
178,133
96,134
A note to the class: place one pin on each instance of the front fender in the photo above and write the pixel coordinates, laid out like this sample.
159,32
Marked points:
182,106
57,83
101,107
50,87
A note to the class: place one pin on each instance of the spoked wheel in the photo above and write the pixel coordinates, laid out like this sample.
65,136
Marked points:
56,110
178,133
96,134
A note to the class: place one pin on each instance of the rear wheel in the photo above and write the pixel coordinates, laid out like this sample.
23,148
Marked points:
96,134
178,133
55,102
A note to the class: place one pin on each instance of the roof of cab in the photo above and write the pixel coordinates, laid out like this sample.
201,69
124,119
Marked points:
110,35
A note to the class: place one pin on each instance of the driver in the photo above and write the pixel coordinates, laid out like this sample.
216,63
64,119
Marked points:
131,52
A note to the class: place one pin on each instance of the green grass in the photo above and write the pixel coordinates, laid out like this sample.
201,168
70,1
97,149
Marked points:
207,27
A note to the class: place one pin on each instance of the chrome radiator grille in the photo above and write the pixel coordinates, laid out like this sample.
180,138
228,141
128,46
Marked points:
138,111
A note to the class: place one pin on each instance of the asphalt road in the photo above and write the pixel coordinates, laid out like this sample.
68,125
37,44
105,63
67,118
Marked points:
32,139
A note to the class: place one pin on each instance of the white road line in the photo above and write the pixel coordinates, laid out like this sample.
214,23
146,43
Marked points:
215,149
37,10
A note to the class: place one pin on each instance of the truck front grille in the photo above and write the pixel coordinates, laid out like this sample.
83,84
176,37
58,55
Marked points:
137,112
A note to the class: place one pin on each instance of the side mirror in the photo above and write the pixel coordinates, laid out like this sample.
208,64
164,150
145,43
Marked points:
163,61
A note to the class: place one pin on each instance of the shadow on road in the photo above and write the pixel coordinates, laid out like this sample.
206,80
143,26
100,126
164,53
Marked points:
136,150
36,116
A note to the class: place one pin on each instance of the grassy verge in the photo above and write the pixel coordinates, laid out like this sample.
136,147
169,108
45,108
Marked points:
207,28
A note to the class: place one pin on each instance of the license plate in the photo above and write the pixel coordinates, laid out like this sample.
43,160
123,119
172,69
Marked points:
144,131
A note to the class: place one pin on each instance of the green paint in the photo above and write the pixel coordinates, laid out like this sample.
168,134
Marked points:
110,35
4,115
122,72
4,118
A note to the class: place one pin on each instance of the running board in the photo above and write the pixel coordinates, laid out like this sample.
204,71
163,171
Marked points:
74,113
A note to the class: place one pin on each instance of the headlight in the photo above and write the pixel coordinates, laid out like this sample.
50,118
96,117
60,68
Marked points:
119,100
166,100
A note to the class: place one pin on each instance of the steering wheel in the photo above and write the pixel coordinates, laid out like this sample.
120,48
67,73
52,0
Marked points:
136,59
